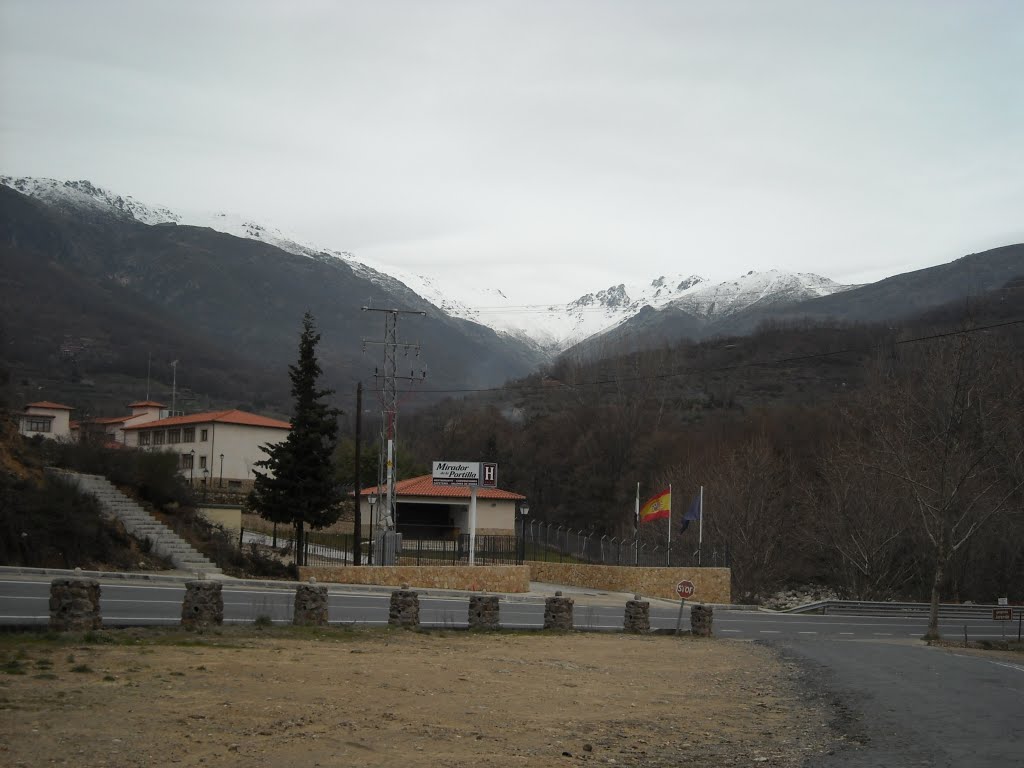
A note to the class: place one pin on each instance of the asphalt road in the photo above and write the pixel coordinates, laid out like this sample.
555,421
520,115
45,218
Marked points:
24,600
907,704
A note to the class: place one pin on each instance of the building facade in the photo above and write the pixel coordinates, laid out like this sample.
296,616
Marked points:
428,511
46,419
218,449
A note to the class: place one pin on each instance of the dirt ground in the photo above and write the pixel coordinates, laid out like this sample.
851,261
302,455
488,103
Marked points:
291,697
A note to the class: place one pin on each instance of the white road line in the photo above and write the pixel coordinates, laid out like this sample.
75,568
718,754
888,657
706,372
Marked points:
846,633
730,630
768,631
807,633
882,634
147,602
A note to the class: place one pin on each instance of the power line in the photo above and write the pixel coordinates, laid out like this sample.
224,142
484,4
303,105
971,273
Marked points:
722,368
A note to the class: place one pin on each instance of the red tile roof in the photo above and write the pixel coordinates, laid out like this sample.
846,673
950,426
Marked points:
109,419
424,486
222,417
146,404
48,404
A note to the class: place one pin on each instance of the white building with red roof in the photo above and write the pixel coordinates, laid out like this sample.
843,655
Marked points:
428,511
50,420
220,448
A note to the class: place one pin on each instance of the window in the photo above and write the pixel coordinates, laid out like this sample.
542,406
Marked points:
144,438
158,437
173,435
202,435
202,462
188,435
37,424
186,460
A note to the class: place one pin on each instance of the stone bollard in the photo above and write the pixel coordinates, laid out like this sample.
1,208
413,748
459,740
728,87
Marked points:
203,605
483,612
638,616
405,608
74,604
558,612
701,618
310,605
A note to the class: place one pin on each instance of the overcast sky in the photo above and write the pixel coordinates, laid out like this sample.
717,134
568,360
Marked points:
551,148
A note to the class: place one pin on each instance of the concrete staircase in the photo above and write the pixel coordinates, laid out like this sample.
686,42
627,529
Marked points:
138,522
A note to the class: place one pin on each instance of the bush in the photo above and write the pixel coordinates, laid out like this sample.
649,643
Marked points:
154,474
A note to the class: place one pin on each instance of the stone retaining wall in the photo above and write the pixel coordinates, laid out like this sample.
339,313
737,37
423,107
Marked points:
482,578
713,585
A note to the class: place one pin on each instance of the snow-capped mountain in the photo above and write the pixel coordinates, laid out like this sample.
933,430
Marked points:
550,328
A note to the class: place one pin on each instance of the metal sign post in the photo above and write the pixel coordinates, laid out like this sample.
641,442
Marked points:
1003,615
684,589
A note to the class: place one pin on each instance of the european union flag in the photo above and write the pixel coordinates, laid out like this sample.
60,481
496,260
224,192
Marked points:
692,514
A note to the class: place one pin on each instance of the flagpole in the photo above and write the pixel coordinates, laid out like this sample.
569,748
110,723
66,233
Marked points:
700,529
668,553
636,526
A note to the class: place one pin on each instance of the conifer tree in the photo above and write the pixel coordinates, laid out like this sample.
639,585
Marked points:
298,485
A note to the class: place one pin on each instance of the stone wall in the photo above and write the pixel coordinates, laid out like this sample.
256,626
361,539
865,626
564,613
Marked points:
74,604
480,578
712,584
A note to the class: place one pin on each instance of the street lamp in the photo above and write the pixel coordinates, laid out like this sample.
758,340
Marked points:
524,511
220,483
206,477
372,501
192,468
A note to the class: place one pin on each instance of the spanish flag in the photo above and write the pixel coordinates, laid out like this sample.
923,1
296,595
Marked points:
657,507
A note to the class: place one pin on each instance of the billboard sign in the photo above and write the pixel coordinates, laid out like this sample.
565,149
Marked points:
456,473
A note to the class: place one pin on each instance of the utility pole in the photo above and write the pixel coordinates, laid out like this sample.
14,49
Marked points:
357,531
174,385
389,397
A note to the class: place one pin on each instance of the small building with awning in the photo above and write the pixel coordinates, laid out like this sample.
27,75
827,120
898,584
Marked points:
428,511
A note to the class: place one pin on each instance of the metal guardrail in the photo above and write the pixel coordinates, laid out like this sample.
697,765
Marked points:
869,608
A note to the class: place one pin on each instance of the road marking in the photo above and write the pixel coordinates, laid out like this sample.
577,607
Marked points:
882,634
807,633
769,631
730,630
126,600
846,633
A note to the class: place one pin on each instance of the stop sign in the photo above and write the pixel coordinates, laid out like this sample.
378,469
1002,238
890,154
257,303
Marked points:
684,589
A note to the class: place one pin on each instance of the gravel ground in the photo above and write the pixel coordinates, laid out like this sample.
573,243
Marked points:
242,697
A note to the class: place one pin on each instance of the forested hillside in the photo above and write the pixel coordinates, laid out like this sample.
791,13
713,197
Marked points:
869,458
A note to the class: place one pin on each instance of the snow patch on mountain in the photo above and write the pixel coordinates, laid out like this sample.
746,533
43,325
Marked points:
550,328
713,302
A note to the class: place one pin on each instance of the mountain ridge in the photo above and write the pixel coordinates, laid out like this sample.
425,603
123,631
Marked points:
547,329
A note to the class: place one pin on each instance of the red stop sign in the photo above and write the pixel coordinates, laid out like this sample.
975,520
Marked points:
685,589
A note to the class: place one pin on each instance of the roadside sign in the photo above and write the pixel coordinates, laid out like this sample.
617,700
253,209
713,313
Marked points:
1002,614
685,589
456,473
488,474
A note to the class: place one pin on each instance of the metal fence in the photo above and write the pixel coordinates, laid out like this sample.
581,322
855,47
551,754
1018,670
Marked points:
537,541
557,543
335,549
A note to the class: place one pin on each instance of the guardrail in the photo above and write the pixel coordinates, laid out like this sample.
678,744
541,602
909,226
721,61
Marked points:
868,608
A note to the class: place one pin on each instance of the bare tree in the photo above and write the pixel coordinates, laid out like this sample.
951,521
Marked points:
858,518
941,416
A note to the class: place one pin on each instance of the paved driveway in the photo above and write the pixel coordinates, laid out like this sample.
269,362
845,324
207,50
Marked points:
901,703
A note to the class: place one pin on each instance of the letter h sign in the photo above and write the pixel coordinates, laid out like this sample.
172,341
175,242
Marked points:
488,475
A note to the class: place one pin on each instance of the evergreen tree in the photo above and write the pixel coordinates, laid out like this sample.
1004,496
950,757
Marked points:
299,485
